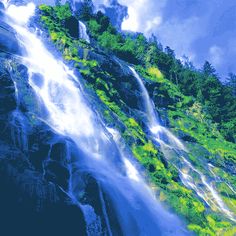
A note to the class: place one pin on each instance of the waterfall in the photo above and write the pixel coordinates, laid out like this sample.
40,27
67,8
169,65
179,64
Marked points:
123,193
83,32
153,121
175,152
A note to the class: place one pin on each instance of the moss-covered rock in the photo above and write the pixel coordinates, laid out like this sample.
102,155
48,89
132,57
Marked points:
118,99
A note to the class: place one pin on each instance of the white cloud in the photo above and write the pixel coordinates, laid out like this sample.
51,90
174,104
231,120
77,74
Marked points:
202,30
146,16
154,23
98,3
143,15
179,35
216,55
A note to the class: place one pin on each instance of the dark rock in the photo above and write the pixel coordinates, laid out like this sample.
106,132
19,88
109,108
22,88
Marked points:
72,25
38,154
186,137
40,140
7,92
95,196
230,167
31,199
31,206
110,63
123,79
59,152
57,173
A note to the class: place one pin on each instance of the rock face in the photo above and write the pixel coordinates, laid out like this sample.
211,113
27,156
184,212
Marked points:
8,42
72,25
34,173
7,93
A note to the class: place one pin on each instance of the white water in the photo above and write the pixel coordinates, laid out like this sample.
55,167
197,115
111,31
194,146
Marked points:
69,113
83,32
131,170
5,3
220,179
175,152
153,122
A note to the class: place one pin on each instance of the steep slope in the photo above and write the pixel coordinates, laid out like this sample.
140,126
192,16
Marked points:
73,152
115,85
103,63
31,200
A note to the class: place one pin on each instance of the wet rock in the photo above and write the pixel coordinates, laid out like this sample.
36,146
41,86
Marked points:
186,137
8,41
95,196
32,203
7,92
31,206
40,140
1,8
59,152
38,154
110,63
57,173
230,167
31,200
122,78
72,25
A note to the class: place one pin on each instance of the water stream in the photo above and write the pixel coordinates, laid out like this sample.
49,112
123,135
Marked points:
175,152
123,194
83,32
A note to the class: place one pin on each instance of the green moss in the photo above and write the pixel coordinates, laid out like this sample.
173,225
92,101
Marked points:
94,27
145,152
231,203
63,11
133,122
229,232
149,147
202,132
201,231
184,113
166,89
45,8
155,74
219,228
180,198
132,127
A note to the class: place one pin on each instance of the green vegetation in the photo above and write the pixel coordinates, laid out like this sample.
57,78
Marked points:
54,19
192,107
219,101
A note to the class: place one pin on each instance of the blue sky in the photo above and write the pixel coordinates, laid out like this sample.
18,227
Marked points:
200,29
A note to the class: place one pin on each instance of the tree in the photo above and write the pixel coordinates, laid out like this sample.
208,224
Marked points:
86,10
232,83
170,52
208,69
103,20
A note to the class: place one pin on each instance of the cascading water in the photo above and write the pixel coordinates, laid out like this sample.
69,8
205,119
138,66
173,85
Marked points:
175,152
83,32
124,197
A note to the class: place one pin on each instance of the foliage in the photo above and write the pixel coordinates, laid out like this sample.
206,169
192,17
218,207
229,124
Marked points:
218,101
207,115
155,73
